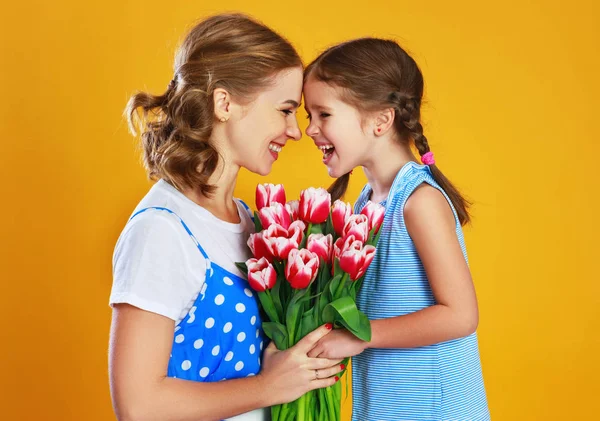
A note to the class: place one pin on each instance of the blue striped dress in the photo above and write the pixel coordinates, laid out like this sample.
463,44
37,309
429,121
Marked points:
436,382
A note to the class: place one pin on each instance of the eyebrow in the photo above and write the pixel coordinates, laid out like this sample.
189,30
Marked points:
320,108
292,102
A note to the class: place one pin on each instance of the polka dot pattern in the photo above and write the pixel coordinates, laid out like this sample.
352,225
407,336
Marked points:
221,336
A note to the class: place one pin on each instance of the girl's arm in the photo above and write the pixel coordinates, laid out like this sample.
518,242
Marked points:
432,227
140,346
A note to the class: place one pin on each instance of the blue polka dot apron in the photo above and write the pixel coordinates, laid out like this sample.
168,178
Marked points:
221,336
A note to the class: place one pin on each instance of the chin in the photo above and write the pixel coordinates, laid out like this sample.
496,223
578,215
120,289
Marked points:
263,170
334,172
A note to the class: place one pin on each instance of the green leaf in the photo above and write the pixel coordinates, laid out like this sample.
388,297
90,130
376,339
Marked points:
334,284
277,333
242,267
257,224
329,226
302,244
314,229
343,311
266,303
275,297
336,268
308,324
281,292
279,266
292,317
374,238
356,286
322,288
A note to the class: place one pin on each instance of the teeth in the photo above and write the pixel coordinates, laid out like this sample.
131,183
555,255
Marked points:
325,147
274,148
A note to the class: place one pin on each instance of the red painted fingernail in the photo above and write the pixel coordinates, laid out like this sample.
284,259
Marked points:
336,378
329,326
342,366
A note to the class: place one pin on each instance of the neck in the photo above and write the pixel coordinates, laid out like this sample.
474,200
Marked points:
388,157
220,203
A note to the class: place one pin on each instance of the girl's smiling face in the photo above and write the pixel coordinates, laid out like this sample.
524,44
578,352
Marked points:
336,127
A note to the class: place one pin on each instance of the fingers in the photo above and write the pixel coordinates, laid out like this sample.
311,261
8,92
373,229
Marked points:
321,363
315,352
330,371
326,382
309,341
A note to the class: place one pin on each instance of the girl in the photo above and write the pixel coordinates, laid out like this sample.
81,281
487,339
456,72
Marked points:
186,336
364,99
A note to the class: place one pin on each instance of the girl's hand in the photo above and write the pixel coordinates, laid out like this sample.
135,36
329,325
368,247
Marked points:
338,344
289,374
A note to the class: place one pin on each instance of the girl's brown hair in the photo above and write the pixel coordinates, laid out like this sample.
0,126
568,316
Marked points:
229,51
375,74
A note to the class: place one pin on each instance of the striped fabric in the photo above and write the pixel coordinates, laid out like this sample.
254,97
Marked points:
436,382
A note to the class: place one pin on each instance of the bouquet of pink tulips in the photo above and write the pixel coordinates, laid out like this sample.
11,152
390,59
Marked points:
308,265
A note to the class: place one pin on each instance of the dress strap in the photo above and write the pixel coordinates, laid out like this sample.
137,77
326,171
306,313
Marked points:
247,209
180,220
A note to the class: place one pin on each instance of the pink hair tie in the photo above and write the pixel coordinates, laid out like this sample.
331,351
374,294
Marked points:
427,159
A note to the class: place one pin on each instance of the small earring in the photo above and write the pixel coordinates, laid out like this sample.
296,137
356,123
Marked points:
222,119
378,129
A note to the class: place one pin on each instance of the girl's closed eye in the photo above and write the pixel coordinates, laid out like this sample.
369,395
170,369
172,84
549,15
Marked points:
322,115
287,112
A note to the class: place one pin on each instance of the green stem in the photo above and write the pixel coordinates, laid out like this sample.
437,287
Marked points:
290,326
301,415
322,416
340,287
331,403
275,411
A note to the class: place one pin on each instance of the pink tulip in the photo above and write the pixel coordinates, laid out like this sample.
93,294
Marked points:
339,215
375,213
261,274
293,208
356,259
267,194
257,245
314,205
281,241
275,213
337,248
302,267
358,226
321,245
342,244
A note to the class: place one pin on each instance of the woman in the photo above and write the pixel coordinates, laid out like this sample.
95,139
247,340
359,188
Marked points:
186,338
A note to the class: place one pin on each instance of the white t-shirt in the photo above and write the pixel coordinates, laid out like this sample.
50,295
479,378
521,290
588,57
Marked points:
157,266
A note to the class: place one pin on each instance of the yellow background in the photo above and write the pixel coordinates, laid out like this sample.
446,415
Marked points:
512,91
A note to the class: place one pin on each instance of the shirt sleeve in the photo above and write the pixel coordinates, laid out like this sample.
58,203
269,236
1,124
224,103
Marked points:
157,266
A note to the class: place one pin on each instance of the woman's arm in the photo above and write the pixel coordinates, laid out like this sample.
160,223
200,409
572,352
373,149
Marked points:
140,346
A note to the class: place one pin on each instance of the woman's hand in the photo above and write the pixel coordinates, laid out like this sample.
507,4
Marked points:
289,374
